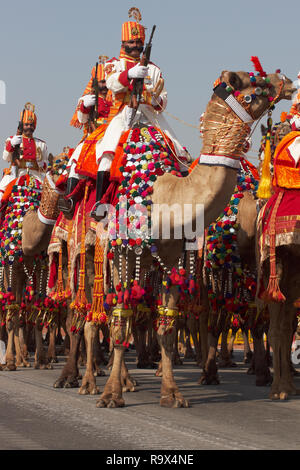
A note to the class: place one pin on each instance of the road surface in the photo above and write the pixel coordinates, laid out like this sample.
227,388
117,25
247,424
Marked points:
233,415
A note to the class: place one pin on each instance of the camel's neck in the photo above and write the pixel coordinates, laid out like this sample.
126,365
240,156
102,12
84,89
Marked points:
48,212
37,226
223,132
209,187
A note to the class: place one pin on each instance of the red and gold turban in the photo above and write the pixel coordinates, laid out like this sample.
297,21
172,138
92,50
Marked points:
132,30
28,115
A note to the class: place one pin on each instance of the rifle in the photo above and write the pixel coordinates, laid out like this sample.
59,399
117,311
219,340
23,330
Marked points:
94,113
17,151
138,83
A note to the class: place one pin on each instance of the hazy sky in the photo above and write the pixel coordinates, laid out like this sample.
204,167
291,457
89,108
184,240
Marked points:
48,49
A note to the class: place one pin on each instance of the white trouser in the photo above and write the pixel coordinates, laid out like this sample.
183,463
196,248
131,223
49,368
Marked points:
110,140
4,183
118,125
73,161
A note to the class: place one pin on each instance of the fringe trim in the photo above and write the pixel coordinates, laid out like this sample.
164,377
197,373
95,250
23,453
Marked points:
273,292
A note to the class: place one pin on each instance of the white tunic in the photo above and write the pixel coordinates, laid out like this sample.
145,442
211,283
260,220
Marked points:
41,159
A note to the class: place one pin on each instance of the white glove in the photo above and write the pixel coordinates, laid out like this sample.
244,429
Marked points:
128,115
138,71
16,140
89,100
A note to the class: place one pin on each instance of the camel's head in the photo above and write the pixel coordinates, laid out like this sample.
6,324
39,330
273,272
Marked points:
280,131
257,93
57,165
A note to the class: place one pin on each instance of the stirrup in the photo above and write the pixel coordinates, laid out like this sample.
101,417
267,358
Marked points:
95,213
65,205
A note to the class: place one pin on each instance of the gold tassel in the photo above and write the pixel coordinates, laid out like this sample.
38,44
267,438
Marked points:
59,290
264,188
97,313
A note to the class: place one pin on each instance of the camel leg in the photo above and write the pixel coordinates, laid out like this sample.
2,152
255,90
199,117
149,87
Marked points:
51,353
23,335
170,395
153,346
140,335
158,372
105,337
40,359
98,357
10,356
120,333
89,386
176,356
210,370
259,363
247,349
189,353
112,394
225,356
274,338
231,342
203,336
181,341
286,384
70,373
19,342
66,350
197,347
261,369
128,382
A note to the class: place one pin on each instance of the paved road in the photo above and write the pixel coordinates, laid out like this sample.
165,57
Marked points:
233,415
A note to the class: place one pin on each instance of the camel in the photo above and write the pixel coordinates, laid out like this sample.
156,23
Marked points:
282,314
246,220
81,331
229,269
31,268
210,185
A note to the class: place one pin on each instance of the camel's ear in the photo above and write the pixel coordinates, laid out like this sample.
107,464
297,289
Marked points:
233,79
263,129
50,159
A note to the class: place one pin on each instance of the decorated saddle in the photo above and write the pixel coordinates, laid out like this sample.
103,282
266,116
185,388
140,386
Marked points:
25,195
144,154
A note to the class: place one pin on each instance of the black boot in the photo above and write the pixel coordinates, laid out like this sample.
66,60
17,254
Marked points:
66,205
102,184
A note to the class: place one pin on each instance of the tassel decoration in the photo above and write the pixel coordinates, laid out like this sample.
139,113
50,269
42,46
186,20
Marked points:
264,188
273,292
97,313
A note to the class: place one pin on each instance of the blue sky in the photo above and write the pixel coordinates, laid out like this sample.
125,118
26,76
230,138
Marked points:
49,48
